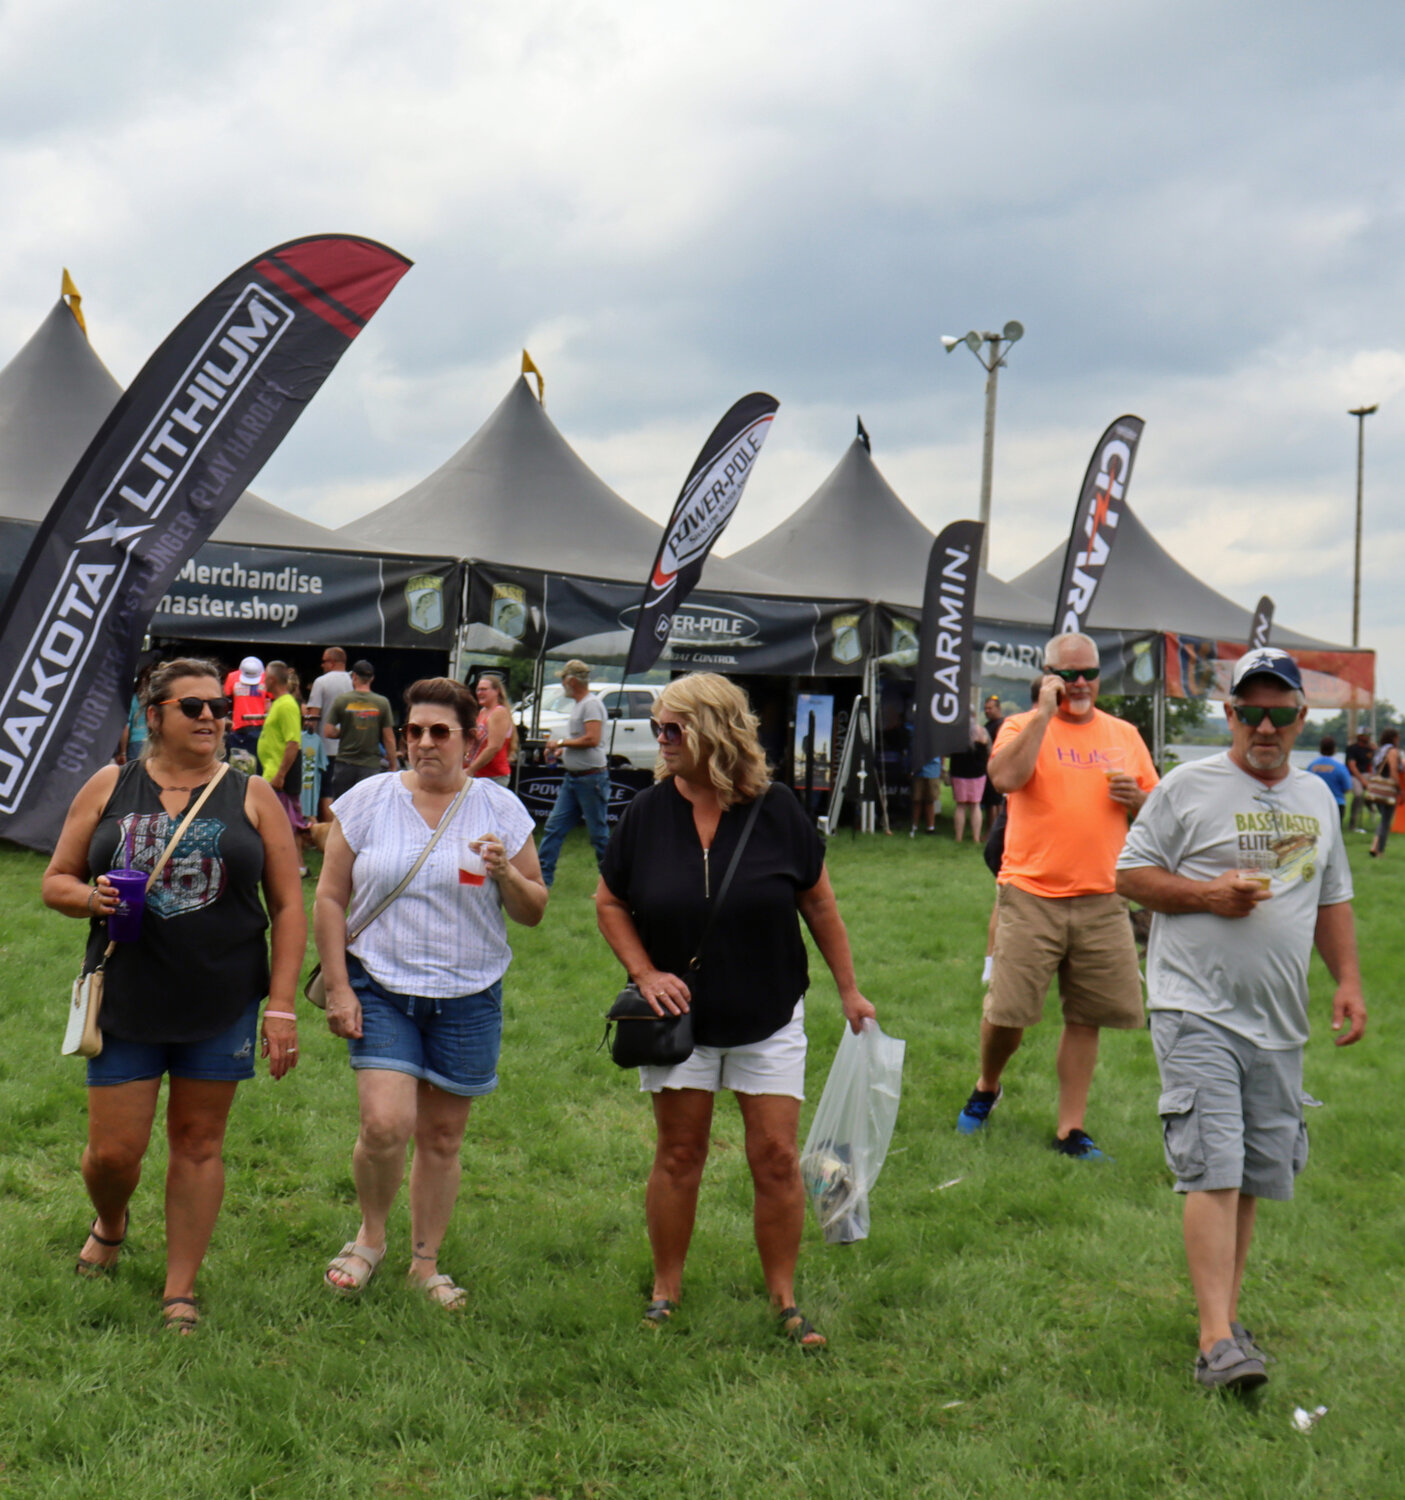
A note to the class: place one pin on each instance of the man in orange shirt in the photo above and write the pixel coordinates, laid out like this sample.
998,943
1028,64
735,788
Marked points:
1073,776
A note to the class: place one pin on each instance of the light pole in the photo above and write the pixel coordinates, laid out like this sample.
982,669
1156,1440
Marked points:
1360,413
1012,333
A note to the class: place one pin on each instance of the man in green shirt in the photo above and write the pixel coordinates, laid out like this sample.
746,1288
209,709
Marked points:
360,722
280,748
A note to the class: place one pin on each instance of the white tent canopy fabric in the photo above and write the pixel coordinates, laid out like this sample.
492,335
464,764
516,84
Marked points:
1145,588
854,538
518,493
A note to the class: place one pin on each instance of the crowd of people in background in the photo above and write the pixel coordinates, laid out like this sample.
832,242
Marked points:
428,854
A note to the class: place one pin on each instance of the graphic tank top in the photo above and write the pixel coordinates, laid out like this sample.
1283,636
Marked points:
202,956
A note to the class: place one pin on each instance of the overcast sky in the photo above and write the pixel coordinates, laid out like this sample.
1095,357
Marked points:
1195,210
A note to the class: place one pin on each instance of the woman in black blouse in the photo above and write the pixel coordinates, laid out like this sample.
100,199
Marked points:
664,865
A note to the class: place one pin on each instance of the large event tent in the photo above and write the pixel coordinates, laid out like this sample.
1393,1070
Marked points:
518,493
266,578
1146,588
854,537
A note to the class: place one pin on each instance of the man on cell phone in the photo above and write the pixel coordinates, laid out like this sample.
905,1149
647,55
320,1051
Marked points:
1072,775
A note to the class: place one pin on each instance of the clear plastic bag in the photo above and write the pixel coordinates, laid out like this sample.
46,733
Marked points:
849,1137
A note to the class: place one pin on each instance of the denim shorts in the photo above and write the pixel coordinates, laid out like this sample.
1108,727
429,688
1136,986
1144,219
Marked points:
453,1043
226,1058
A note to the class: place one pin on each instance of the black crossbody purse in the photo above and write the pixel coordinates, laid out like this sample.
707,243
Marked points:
642,1037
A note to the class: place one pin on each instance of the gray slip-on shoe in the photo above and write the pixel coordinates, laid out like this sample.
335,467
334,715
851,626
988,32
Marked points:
1248,1343
1228,1367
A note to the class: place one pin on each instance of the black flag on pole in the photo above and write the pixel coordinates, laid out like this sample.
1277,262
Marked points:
709,496
1095,523
183,443
1262,627
942,712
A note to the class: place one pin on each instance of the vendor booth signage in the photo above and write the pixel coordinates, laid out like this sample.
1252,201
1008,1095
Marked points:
517,612
1197,667
205,414
273,596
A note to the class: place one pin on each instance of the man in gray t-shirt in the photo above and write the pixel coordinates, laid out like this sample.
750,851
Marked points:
1241,859
585,786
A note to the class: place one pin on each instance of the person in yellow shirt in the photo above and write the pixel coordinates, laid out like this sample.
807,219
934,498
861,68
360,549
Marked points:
1073,776
280,746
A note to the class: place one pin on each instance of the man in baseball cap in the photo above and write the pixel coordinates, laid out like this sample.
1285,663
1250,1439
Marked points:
1240,857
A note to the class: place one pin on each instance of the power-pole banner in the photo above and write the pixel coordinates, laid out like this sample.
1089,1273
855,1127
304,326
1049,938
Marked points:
1095,523
179,448
1262,627
709,496
942,709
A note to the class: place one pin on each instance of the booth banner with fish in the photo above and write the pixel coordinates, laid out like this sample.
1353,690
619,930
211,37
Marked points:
1197,667
203,416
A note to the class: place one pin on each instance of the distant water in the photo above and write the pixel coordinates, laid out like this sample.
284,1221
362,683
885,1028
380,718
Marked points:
1302,759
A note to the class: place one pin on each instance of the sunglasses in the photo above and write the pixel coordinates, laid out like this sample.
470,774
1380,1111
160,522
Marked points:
439,733
670,734
1280,717
193,707
1075,674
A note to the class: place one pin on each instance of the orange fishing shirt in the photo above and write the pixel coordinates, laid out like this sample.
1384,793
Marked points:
1064,832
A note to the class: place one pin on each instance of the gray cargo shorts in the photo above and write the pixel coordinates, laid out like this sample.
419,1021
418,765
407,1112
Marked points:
1231,1112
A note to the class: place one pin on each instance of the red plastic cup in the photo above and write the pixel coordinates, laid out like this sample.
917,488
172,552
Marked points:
124,925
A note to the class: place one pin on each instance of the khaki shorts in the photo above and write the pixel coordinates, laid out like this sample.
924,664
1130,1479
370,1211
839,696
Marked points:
1086,940
926,789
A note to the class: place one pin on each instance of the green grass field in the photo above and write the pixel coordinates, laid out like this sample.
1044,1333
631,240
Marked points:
1027,1331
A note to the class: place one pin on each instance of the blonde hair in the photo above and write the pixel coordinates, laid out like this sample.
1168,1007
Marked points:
500,692
719,730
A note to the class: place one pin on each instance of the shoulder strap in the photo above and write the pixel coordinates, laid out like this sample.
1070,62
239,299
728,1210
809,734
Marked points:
415,868
170,849
186,821
696,961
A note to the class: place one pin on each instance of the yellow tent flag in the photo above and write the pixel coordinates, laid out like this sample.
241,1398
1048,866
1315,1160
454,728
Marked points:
75,300
529,368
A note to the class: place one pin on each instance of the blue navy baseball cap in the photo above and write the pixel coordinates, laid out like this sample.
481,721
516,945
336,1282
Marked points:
1265,661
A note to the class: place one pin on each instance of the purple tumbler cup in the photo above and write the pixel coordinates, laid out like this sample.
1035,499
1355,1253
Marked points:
124,925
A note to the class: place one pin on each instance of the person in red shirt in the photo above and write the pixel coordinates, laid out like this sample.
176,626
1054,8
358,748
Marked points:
1073,775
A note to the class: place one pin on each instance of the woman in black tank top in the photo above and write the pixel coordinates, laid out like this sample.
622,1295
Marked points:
194,976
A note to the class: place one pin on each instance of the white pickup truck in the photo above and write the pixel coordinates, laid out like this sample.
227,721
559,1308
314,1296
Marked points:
625,734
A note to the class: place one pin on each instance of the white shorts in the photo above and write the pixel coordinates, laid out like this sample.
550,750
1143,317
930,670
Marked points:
773,1066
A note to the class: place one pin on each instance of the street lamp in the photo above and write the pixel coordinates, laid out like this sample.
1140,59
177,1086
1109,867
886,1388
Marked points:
1010,334
1360,413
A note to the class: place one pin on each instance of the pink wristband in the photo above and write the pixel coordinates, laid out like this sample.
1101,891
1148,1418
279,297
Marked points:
279,1015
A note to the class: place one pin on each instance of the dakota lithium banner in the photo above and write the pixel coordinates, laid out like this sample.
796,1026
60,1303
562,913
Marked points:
1262,627
941,712
183,443
1095,523
710,494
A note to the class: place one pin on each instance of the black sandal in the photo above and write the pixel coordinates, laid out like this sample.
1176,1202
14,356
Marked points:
658,1312
799,1329
95,1270
182,1323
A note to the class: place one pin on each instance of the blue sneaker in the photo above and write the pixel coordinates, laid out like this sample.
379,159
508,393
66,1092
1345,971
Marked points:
977,1110
1078,1143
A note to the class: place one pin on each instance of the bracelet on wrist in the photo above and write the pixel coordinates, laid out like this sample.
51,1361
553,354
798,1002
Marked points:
279,1015
92,896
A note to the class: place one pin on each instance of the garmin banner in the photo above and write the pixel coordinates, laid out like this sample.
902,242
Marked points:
181,445
1262,627
1095,521
710,494
943,710
1007,657
517,612
267,596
